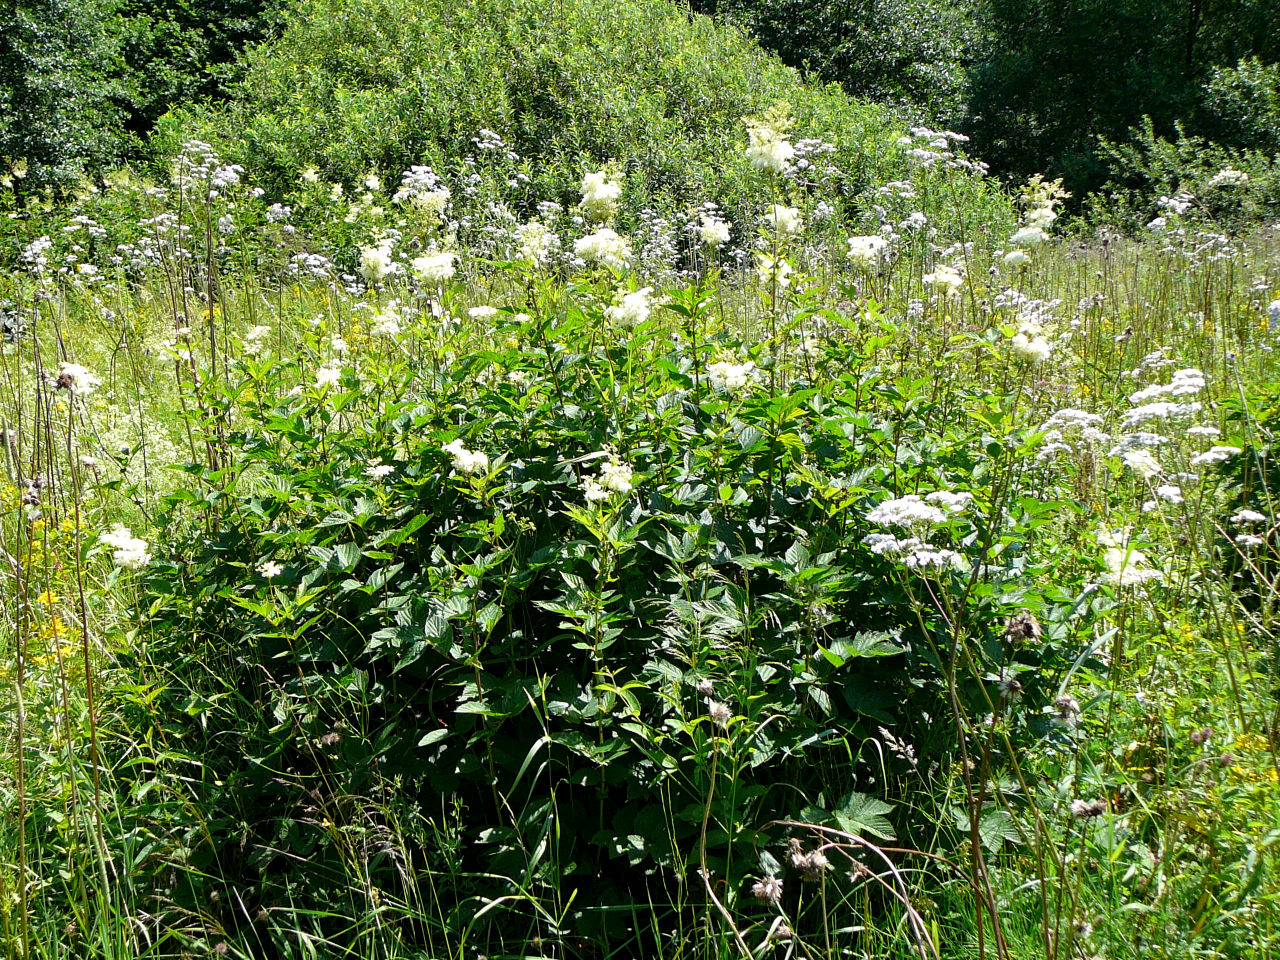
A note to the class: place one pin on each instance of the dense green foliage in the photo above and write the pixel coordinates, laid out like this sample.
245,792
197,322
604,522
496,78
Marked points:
361,86
907,53
82,83
59,107
1052,78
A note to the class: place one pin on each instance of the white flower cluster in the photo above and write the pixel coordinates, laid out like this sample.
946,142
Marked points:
423,190
918,516
328,375
466,462
913,511
1214,455
768,150
536,242
1142,462
386,322
604,247
1029,237
713,230
1230,177
772,271
730,377
785,221
1127,566
868,252
633,308
76,380
1273,316
1158,410
615,478
1185,383
1071,431
599,197
945,279
128,552
1029,344
375,261
435,268
253,340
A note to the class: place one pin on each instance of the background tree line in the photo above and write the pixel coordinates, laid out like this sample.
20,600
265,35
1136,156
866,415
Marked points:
1060,87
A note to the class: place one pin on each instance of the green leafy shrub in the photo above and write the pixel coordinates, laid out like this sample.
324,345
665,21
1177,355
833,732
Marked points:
380,85
905,53
607,597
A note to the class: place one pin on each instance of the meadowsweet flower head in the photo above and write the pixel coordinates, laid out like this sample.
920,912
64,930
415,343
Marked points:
615,476
1126,565
1016,260
536,241
269,569
1040,217
422,189
714,231
328,376
604,247
633,308
435,268
76,380
768,149
386,322
773,271
1029,237
1030,348
730,377
483,312
128,552
467,462
376,263
947,280
786,221
379,470
253,340
599,197
868,252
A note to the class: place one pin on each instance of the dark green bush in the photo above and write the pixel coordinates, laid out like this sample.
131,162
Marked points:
377,85
502,645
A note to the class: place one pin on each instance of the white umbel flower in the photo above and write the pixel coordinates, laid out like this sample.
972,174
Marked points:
128,552
467,462
435,268
632,309
868,252
604,247
599,197
730,377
